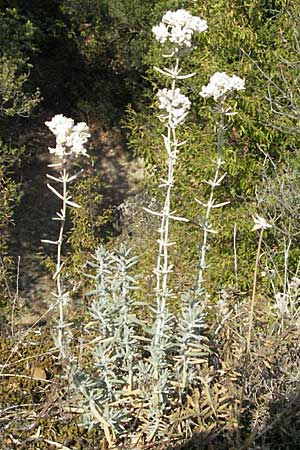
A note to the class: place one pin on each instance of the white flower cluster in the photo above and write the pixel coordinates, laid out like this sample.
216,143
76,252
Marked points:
176,104
70,138
220,84
178,27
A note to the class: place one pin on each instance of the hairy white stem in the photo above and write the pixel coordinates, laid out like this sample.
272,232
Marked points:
60,294
211,202
162,267
59,287
70,140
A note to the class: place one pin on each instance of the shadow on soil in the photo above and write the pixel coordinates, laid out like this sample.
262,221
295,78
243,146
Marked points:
281,431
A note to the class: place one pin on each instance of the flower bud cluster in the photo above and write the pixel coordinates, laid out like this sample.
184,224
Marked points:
70,138
176,104
220,84
178,27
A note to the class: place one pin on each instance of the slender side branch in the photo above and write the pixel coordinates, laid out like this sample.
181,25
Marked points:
259,224
251,315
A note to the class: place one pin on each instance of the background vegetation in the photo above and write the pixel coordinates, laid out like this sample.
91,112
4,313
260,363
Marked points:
93,60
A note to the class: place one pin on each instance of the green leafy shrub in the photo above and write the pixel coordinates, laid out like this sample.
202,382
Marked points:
16,34
243,43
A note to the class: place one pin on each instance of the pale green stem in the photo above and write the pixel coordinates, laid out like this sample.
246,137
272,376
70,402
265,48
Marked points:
251,316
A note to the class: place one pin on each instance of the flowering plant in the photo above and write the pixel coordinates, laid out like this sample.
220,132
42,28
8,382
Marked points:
176,104
221,84
70,138
178,27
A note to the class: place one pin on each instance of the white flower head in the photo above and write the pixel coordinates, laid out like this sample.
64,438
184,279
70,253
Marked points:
197,25
221,84
70,138
237,83
60,126
174,18
175,104
178,27
260,223
161,32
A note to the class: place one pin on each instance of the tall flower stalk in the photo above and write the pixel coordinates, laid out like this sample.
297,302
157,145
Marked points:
219,87
177,106
175,32
70,140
